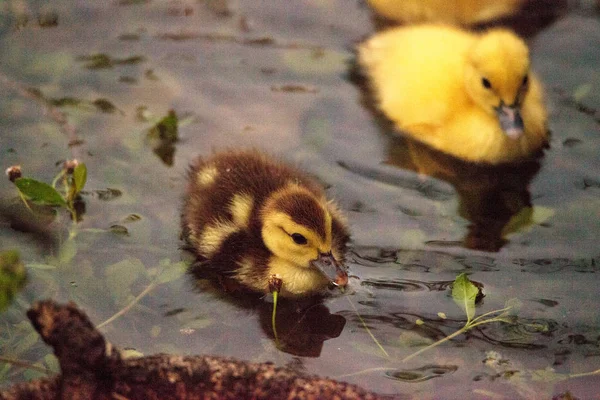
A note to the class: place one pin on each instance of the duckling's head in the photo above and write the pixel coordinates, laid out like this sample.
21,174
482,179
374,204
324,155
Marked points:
297,228
497,77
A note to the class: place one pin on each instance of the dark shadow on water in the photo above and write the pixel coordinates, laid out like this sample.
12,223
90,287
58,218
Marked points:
489,196
302,326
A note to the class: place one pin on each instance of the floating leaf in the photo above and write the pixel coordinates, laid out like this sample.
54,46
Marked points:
155,331
120,277
52,363
104,105
131,353
464,294
442,315
582,91
32,374
514,304
39,192
79,177
119,230
13,276
198,323
132,218
166,129
547,375
172,272
419,322
108,194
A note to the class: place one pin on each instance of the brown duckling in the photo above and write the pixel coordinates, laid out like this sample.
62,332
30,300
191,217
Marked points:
249,217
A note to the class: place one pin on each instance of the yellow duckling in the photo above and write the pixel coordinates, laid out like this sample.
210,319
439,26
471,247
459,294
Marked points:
249,217
470,95
459,12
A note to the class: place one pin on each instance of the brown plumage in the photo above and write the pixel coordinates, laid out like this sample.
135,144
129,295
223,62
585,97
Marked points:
248,217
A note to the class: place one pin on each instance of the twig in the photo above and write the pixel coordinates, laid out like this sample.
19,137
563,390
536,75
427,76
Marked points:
24,364
128,306
367,328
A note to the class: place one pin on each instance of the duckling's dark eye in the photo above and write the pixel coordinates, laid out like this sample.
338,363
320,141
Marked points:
298,238
486,83
525,80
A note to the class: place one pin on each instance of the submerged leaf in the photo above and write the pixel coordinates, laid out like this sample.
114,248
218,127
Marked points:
172,272
13,276
166,129
39,192
464,293
79,177
121,276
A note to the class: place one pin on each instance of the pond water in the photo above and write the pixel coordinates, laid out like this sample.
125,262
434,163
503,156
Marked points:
275,75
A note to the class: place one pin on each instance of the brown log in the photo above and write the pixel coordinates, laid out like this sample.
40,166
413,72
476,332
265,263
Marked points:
92,369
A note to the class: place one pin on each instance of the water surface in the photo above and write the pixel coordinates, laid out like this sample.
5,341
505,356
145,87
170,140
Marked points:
276,76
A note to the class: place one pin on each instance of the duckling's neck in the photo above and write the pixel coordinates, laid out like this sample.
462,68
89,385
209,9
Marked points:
297,280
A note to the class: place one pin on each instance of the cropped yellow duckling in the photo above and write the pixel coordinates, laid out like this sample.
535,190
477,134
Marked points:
469,95
249,217
459,12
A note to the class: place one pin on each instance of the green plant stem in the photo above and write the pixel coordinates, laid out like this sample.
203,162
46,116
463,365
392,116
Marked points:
432,345
583,374
362,321
57,177
24,364
24,200
362,372
490,313
468,326
273,317
125,309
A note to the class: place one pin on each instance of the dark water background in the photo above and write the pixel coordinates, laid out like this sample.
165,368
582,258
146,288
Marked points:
275,75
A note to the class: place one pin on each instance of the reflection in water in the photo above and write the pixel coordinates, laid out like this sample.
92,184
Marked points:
302,326
301,332
489,195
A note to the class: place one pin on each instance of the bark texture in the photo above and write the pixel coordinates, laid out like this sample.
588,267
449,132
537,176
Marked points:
93,369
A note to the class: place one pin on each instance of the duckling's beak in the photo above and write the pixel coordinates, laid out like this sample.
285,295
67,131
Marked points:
331,268
510,120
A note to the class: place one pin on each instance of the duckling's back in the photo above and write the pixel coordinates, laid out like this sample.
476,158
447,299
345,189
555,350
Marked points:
446,11
224,197
417,72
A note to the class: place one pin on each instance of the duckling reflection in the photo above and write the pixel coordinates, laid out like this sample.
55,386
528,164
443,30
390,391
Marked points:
527,17
459,12
303,325
489,196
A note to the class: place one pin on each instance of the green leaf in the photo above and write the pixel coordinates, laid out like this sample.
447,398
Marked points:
79,177
13,276
172,272
52,363
464,294
582,91
198,323
166,129
39,192
121,276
